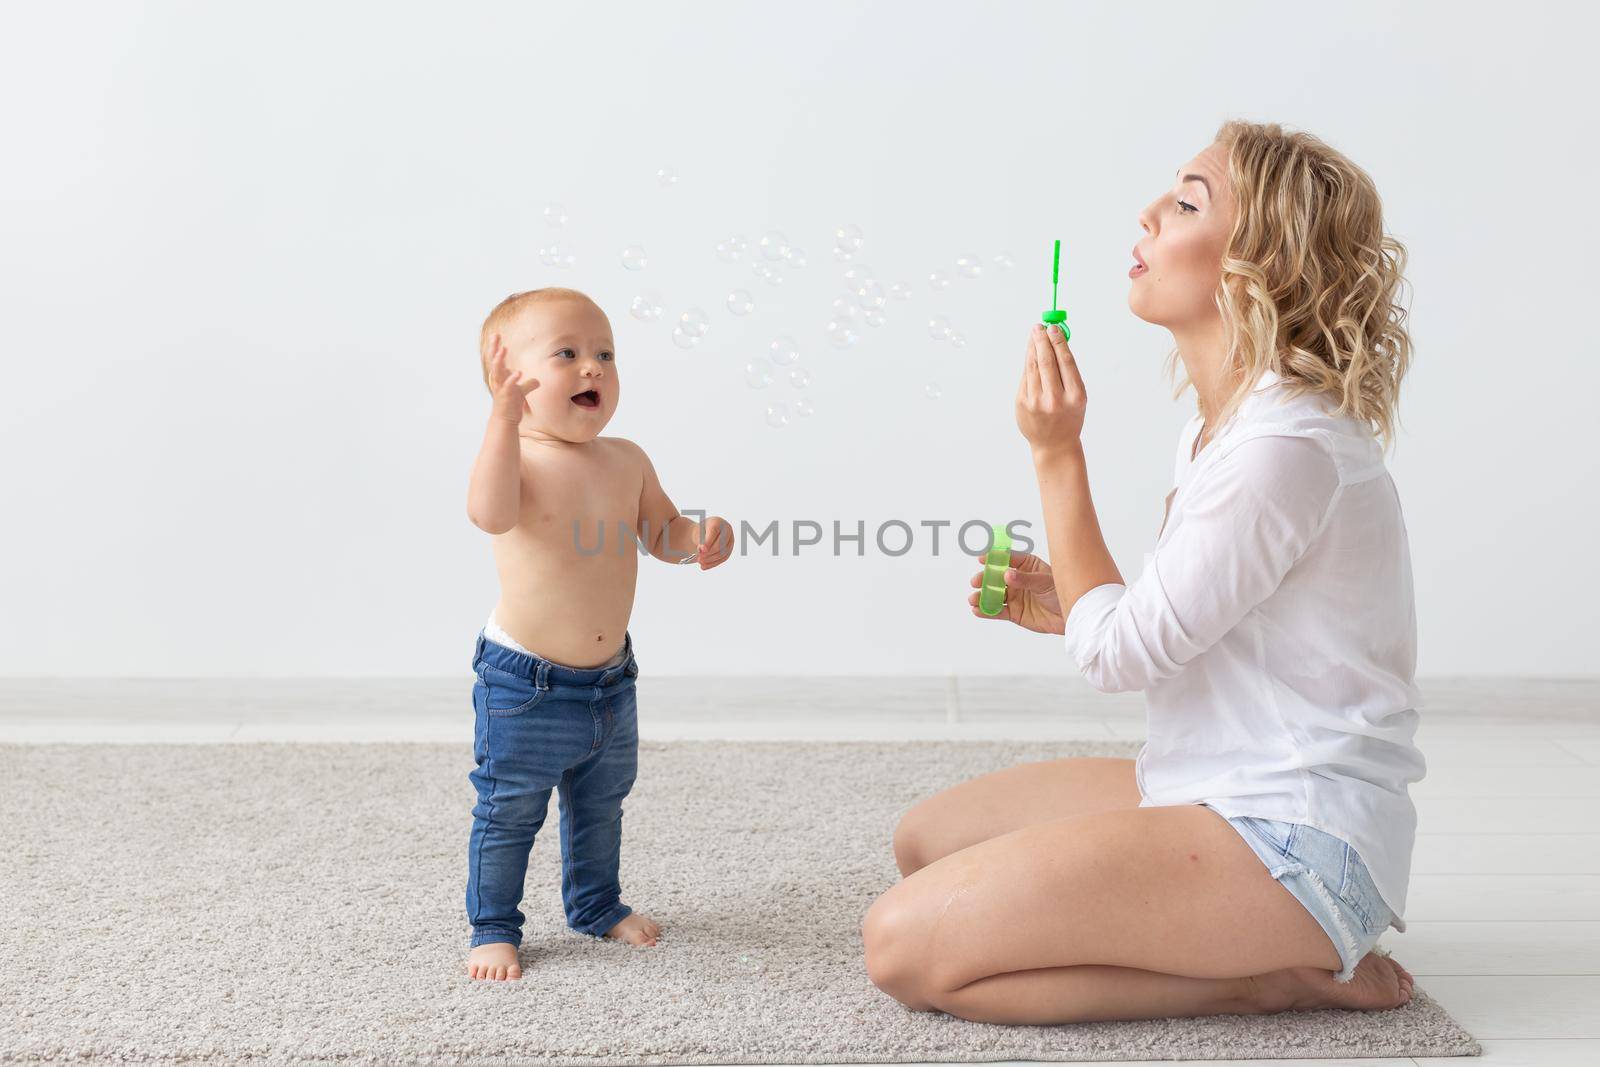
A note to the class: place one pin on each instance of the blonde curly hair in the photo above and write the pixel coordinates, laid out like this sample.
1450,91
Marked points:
1310,280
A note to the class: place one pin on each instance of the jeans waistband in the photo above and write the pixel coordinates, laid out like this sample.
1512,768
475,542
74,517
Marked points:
546,673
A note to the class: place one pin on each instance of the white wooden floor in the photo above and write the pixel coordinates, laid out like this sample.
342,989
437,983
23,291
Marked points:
1504,913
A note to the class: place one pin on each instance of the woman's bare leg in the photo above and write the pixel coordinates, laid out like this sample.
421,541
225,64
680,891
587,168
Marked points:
1009,799
1172,910
1090,993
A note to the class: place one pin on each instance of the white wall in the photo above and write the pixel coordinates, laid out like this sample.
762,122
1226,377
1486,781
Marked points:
245,252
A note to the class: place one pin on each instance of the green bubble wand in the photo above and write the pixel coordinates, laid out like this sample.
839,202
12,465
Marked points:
1056,315
992,590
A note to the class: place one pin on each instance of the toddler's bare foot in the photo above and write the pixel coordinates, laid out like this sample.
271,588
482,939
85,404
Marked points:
635,929
496,960
1379,984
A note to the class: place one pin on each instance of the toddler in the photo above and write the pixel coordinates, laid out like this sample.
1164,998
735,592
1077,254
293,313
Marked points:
570,512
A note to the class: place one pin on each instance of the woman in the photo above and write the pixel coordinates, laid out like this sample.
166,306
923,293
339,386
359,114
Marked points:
1251,856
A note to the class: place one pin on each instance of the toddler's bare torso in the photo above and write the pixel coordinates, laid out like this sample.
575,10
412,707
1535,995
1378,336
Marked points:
567,605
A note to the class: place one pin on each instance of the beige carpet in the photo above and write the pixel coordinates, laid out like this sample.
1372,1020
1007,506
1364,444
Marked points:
296,903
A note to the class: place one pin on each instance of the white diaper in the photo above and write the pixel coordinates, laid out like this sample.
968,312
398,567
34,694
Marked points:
493,632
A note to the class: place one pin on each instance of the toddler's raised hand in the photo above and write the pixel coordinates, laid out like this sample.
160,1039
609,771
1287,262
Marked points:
510,389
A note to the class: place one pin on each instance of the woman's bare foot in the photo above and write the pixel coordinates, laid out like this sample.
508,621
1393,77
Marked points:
496,960
1379,983
635,929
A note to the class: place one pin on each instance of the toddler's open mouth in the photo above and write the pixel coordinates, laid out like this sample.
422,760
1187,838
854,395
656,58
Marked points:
587,399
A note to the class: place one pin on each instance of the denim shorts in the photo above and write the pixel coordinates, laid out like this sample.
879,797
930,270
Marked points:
1327,876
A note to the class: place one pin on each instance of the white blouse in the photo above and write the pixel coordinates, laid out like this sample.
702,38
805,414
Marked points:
1274,633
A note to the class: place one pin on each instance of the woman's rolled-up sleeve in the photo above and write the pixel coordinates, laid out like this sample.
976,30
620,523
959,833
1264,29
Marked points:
1246,520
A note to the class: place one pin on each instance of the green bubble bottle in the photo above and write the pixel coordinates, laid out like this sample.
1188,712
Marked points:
992,595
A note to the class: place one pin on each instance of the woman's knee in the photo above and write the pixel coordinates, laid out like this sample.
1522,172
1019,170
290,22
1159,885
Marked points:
893,960
923,834
909,842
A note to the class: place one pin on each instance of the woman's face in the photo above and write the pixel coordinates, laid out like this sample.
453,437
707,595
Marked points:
1186,231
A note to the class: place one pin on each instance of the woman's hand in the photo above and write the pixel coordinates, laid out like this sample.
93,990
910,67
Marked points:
1031,600
1050,398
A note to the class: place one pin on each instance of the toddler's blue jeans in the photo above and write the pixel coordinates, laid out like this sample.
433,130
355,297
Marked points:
538,726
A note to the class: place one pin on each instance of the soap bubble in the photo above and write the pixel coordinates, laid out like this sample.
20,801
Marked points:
555,215
969,266
557,255
783,351
1003,262
847,240
646,307
933,391
757,376
683,339
731,250
875,317
842,333
958,339
795,258
694,322
799,377
740,302
900,291
633,258
938,279
774,245
760,269
843,308
856,277
777,416
667,176
939,328
802,407
870,295
773,277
